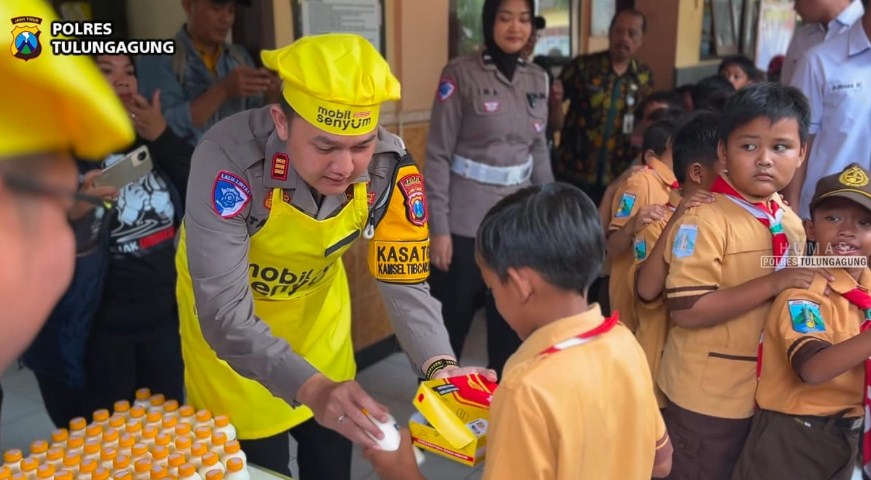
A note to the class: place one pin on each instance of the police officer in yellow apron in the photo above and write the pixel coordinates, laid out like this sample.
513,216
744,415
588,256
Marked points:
276,196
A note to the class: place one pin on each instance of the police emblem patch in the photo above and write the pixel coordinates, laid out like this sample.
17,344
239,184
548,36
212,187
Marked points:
685,241
854,177
640,249
25,38
415,200
230,194
624,209
447,87
491,107
806,316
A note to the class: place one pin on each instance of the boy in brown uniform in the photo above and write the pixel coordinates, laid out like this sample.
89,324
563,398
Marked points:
696,165
549,419
717,291
810,390
642,198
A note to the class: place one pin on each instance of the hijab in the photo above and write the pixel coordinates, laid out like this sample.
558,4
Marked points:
505,63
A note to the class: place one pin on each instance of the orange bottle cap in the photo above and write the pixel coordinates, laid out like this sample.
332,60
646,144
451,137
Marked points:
232,447
143,394
100,474
72,460
108,453
60,435
149,432
29,464
122,406
219,438
204,415
133,427
101,415
183,429
63,475
186,410
89,465
235,464
170,406
121,461
110,435
183,442
12,456
154,416
93,446
125,475
215,474
169,422
137,412
199,449
38,446
203,433
142,465
78,423
116,421
126,440
75,441
94,430
45,471
5,473
55,453
176,459
222,420
159,452
210,459
139,449
186,470
163,439
158,472
158,400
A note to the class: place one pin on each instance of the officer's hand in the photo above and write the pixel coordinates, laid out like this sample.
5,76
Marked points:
441,251
245,81
340,406
455,371
398,465
108,192
147,117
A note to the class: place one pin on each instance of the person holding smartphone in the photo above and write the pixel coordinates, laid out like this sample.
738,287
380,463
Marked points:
117,326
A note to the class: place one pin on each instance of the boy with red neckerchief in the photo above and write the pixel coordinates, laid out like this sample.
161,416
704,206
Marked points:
813,378
717,289
640,200
577,389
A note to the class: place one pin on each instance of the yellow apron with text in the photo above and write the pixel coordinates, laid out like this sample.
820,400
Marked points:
314,318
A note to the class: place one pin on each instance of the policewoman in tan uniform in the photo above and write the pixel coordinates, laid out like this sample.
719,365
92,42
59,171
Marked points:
486,140
276,196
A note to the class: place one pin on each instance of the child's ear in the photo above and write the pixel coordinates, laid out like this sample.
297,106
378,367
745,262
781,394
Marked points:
648,154
520,282
695,173
809,230
802,156
721,151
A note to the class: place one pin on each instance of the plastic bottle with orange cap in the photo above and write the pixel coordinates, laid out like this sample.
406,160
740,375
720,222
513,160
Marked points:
142,398
29,465
39,450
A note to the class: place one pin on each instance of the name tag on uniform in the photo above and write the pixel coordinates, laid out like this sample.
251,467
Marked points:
846,86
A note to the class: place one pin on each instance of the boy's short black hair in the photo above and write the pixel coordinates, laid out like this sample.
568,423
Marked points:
670,98
768,100
666,114
711,93
695,141
657,135
745,64
553,229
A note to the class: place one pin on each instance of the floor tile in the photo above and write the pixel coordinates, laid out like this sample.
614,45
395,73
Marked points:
16,406
25,429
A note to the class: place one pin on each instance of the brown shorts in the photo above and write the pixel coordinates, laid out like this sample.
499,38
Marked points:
793,447
705,448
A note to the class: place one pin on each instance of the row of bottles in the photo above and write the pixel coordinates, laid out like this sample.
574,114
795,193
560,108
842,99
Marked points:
152,439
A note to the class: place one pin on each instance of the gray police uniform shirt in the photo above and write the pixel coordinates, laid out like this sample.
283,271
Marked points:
244,145
480,115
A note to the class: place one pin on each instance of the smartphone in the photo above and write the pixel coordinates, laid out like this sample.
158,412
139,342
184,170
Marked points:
133,166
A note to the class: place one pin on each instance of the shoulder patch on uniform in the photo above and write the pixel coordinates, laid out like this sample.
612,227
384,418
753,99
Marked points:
806,316
230,194
280,162
447,87
685,241
640,249
624,209
416,209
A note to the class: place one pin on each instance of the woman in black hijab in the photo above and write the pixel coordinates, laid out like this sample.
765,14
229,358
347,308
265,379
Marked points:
486,140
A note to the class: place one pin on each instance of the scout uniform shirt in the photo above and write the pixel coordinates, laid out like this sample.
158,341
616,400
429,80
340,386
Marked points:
712,370
802,322
551,420
480,115
650,186
266,294
652,316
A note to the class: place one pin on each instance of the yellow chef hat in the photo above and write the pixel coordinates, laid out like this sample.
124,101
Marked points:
53,102
335,81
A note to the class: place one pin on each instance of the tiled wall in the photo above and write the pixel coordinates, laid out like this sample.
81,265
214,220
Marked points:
369,319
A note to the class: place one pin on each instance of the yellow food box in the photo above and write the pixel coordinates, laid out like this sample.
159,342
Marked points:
453,417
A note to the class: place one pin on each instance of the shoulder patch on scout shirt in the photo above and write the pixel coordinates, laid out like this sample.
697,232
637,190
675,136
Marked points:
806,316
627,201
415,200
640,249
230,194
447,87
685,241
